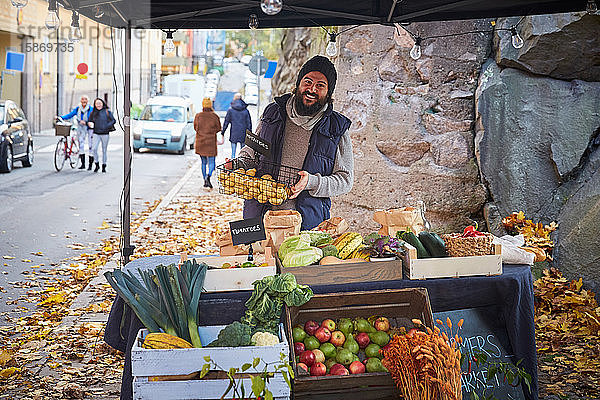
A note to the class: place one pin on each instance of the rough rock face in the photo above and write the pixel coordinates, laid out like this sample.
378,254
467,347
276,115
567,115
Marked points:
411,122
575,36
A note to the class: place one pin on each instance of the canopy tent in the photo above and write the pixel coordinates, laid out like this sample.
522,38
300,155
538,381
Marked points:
234,14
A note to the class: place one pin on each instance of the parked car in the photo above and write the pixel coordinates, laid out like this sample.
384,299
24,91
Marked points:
245,59
210,91
167,123
212,79
16,142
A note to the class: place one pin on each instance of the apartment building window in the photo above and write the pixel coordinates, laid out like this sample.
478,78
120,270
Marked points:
71,62
81,53
107,61
90,58
46,57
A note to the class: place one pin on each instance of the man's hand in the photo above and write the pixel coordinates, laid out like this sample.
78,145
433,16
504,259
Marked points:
220,141
82,123
299,187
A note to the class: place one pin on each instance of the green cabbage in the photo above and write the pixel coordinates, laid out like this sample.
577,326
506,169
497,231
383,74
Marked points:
318,239
302,257
298,242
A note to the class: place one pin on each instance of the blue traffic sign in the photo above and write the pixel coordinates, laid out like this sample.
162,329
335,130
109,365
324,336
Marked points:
271,69
15,61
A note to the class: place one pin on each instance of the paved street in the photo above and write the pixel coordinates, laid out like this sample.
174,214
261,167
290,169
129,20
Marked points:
57,214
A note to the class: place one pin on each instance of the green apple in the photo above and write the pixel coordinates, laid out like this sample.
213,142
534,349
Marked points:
311,343
328,349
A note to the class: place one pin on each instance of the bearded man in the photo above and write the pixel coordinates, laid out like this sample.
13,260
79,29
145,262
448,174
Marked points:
305,133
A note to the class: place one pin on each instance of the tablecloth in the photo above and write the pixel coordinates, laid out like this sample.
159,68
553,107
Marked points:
512,292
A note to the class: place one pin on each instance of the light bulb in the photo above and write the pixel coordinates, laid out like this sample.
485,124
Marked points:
591,7
516,39
331,49
52,21
415,52
98,12
75,34
169,46
19,3
271,7
253,21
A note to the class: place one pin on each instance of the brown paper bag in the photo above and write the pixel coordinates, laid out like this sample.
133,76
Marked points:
280,225
335,226
226,247
399,219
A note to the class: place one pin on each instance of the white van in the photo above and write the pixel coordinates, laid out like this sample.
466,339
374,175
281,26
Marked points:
166,123
190,85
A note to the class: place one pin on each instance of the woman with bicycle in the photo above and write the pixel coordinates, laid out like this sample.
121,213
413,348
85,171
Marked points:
82,115
102,122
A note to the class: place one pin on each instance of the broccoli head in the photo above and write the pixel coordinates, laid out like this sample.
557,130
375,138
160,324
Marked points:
233,335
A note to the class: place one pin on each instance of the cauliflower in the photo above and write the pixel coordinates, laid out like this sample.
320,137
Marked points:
264,339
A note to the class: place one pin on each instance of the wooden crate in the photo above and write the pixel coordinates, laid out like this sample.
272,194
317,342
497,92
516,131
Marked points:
158,374
224,280
451,267
345,273
400,305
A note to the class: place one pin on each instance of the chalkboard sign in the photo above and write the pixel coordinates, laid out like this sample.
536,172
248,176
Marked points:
483,331
258,144
247,231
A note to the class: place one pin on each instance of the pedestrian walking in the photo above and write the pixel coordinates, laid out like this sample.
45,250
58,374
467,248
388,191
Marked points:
102,122
207,125
82,114
238,117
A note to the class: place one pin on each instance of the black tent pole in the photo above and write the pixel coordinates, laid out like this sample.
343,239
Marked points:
127,249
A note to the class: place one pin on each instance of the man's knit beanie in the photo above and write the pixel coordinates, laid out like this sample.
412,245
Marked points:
322,65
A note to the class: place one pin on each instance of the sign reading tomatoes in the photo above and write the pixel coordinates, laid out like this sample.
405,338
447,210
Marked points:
82,68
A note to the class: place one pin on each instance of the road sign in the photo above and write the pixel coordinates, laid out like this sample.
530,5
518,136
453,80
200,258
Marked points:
271,70
15,61
257,61
82,68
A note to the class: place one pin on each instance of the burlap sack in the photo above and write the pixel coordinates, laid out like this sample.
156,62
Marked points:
280,225
399,219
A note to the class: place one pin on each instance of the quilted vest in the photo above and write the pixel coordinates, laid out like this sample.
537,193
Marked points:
319,159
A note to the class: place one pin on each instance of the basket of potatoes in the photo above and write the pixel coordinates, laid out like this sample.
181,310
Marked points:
248,184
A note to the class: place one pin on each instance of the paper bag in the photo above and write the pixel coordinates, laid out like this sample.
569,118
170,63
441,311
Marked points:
335,226
280,225
226,247
399,219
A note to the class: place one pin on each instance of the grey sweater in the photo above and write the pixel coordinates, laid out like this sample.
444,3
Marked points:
295,147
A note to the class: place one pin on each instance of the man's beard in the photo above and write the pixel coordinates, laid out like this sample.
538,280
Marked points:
303,109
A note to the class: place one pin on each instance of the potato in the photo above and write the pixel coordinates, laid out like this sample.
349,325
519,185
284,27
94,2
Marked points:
251,172
228,189
262,198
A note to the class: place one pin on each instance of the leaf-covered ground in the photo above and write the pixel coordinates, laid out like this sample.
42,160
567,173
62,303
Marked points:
58,352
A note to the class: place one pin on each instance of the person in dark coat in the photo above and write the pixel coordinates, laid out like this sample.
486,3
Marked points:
207,125
102,122
238,117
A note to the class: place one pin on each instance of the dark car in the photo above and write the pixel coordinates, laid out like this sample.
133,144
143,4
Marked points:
16,142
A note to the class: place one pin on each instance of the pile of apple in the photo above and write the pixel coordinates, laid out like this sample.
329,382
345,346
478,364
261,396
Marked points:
342,348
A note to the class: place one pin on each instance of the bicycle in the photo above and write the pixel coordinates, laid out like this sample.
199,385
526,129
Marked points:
65,149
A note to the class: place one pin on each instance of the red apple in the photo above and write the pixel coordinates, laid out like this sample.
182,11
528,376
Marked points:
329,324
363,340
338,369
337,338
302,368
299,348
382,324
319,356
318,369
310,327
356,367
323,334
307,357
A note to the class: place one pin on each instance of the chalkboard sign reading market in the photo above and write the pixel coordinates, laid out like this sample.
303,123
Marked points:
483,331
247,231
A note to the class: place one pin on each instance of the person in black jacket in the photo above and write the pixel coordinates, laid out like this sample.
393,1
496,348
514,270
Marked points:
102,122
239,118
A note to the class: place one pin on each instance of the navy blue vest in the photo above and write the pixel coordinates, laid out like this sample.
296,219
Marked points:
319,159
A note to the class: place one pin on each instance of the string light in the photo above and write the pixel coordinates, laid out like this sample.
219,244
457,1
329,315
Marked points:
591,7
52,21
271,7
98,12
169,46
19,3
415,52
75,32
253,21
331,49
515,38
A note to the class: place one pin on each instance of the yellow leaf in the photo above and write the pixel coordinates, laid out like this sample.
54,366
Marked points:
8,257
8,372
26,260
5,357
57,298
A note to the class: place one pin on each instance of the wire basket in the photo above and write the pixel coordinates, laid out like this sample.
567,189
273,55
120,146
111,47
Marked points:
62,129
458,246
240,178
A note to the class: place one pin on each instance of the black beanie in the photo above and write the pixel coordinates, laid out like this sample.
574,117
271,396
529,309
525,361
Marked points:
322,65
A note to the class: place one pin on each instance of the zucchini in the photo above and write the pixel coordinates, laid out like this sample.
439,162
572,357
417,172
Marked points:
433,244
413,240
